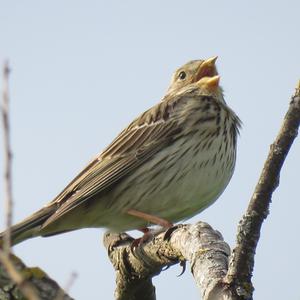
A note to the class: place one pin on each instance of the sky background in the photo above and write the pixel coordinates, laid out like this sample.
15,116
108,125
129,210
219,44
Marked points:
82,70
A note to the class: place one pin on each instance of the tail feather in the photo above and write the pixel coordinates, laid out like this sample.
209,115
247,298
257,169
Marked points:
30,227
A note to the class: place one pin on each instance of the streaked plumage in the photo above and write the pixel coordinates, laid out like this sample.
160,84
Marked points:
172,161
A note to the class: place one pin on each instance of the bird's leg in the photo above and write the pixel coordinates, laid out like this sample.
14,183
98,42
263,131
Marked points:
146,231
150,218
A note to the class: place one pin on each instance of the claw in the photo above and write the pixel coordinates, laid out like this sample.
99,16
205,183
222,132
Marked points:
168,233
165,268
183,265
136,243
139,241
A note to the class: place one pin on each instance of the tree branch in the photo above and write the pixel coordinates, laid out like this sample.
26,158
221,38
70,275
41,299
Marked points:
199,244
242,258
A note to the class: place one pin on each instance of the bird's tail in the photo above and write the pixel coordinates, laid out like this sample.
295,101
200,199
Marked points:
30,227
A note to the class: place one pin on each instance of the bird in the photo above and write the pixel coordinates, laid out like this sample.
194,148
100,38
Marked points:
170,163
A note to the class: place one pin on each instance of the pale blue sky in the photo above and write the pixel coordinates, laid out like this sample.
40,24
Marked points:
81,70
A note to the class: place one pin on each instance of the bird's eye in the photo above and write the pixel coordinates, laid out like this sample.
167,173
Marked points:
182,75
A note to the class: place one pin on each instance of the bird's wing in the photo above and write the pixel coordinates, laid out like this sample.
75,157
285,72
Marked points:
144,137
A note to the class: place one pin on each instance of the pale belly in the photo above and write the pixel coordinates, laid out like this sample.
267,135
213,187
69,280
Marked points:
176,190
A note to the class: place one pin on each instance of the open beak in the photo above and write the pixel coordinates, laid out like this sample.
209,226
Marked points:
207,68
210,84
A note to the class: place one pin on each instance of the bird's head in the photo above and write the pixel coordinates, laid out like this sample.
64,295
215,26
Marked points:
192,72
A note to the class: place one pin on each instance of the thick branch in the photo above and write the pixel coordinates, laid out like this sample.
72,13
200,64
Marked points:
199,244
242,259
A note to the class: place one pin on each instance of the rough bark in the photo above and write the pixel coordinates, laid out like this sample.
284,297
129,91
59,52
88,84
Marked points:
198,244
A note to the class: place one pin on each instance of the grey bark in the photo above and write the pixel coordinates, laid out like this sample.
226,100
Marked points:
198,244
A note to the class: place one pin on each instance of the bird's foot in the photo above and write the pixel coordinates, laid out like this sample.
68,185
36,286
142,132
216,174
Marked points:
148,233
170,230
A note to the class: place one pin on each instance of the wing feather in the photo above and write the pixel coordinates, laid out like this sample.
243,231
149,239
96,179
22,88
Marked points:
133,147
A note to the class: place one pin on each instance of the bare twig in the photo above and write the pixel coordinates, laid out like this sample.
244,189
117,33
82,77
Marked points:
242,259
26,287
71,281
62,293
8,160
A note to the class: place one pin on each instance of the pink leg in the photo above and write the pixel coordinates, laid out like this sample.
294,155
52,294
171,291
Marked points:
150,218
146,231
